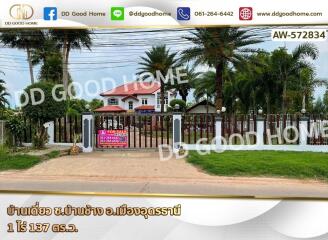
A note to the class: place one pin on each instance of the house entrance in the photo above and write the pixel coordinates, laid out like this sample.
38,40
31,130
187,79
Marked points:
132,131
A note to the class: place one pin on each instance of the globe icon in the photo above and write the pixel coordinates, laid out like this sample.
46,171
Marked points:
245,14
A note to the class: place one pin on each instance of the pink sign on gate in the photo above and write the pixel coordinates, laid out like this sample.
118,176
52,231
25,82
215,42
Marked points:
112,138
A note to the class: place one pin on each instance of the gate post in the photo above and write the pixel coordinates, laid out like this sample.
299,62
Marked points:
303,128
50,126
260,130
177,119
218,131
87,132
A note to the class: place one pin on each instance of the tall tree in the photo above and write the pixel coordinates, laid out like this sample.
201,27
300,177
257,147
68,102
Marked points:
158,60
204,86
325,99
3,94
50,58
23,39
288,66
68,40
184,86
218,47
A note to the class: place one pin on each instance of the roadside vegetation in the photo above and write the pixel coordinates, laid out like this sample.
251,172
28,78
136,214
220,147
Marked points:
299,165
21,161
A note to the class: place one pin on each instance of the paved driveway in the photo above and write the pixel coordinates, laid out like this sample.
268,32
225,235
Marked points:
125,164
132,171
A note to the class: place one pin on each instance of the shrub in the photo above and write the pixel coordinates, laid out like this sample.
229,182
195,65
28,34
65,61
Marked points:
15,125
182,105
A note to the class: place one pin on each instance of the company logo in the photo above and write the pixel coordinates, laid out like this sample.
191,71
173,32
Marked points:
50,13
21,11
117,13
245,13
183,13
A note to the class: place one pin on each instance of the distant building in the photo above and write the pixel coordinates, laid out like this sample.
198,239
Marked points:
139,97
202,107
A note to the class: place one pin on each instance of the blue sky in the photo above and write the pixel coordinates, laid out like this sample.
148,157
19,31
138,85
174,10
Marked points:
116,56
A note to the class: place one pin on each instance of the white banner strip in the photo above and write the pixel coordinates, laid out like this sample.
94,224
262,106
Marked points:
134,13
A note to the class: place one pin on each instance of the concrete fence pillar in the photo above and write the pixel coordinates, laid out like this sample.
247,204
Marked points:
87,132
50,127
218,132
260,130
177,131
303,130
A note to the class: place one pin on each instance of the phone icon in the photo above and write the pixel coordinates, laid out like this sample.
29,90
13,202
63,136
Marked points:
183,13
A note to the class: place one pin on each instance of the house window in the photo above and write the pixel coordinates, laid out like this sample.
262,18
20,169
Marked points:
144,101
130,105
112,101
166,100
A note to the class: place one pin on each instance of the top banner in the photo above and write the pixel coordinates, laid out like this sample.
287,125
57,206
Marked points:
145,13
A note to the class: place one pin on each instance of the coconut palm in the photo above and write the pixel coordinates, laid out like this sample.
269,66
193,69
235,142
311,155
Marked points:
287,66
158,60
68,40
49,55
219,47
23,39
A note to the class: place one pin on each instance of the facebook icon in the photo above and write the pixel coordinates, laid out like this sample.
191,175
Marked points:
50,13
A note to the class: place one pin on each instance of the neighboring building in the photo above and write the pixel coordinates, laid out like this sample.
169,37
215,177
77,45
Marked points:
140,97
202,107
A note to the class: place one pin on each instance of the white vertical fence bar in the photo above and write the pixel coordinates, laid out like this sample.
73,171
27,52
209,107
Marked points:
303,129
260,131
87,132
218,131
177,130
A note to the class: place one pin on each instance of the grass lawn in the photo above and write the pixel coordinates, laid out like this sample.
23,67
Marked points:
22,161
299,165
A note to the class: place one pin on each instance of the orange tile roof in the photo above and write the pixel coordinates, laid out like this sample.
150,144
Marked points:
134,88
130,96
110,109
145,107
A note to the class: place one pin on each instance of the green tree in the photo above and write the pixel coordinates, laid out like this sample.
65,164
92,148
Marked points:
68,40
319,107
23,39
184,86
47,110
219,47
49,55
204,86
3,95
96,103
159,60
76,107
289,66
325,99
16,126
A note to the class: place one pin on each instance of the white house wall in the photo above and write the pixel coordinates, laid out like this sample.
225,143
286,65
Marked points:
125,104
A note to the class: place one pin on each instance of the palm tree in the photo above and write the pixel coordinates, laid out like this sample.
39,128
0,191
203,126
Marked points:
49,55
23,39
3,94
204,87
290,65
218,47
158,60
183,88
68,40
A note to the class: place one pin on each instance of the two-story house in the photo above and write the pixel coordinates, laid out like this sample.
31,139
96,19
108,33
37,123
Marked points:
140,97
